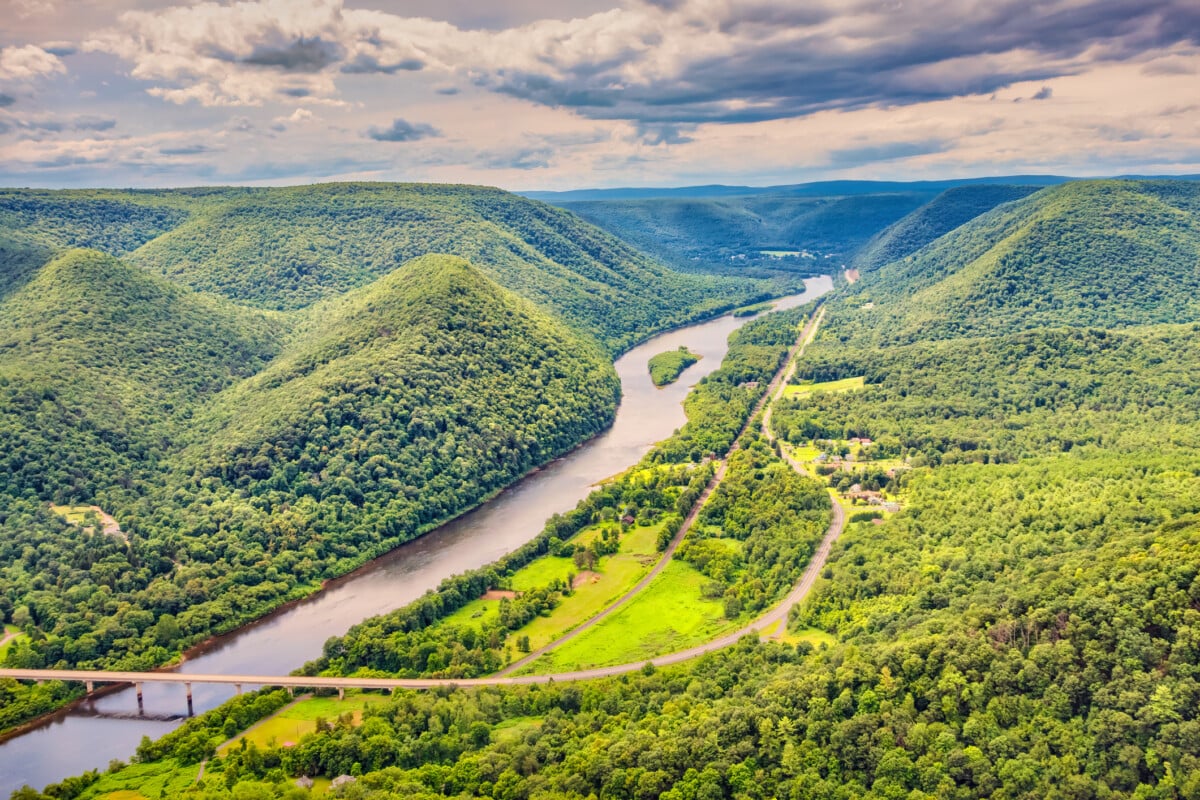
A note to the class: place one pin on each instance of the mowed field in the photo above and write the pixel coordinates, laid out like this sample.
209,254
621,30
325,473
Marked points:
594,590
668,615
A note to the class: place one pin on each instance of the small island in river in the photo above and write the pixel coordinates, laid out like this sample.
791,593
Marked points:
665,368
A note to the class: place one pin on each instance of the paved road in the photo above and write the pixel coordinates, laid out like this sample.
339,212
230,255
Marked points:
772,617
774,390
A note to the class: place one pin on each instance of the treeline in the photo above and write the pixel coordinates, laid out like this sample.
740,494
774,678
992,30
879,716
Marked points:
1005,398
758,531
411,642
390,411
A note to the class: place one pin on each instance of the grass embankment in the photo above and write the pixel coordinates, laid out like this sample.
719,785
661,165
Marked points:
594,589
805,389
665,368
668,615
289,724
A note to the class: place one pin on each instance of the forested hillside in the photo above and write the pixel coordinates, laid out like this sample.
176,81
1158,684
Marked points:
287,248
100,365
249,455
1025,626
1094,253
752,236
936,218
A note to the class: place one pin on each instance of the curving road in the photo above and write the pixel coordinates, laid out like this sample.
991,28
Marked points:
772,617
773,392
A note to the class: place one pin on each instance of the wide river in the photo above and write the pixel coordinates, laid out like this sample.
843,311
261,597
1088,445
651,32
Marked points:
92,734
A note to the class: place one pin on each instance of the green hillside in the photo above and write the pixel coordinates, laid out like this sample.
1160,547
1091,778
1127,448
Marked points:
756,236
250,455
98,362
114,222
1025,625
936,218
287,248
398,405
1096,253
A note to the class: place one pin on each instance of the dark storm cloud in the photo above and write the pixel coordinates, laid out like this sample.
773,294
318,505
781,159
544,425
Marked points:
6,100
780,62
302,55
1045,93
402,131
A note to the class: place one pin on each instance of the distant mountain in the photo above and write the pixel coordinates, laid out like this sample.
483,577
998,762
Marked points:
1087,254
290,247
754,236
936,218
815,189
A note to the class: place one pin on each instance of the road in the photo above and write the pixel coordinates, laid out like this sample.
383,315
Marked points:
773,392
772,617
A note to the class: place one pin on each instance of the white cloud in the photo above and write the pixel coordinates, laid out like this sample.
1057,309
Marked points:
27,63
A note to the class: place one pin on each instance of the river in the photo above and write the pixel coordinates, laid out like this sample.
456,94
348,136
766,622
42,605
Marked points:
93,733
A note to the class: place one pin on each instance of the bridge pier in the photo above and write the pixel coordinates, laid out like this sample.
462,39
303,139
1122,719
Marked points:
341,693
291,691
88,685
188,687
138,686
238,688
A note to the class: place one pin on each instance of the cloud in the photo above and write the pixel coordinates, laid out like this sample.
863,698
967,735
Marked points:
365,63
1045,93
185,150
523,158
889,151
60,48
677,62
6,100
402,131
302,55
27,63
86,123
656,134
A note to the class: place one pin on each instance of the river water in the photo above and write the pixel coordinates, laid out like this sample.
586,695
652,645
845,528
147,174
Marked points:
110,727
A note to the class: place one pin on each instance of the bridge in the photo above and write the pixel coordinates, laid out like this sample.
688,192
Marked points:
772,619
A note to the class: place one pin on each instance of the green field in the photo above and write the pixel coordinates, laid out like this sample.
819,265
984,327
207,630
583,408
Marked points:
665,368
670,614
15,632
614,576
292,722
165,778
805,389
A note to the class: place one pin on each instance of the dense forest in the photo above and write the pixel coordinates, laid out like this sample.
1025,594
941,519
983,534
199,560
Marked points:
287,248
268,387
939,216
1026,626
754,236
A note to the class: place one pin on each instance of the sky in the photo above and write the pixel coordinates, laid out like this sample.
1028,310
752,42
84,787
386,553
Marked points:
534,95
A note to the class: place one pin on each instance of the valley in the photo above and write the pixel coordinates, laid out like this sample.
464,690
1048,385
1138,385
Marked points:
894,548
